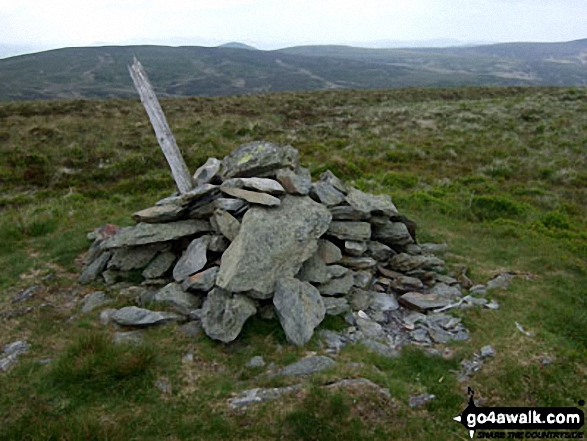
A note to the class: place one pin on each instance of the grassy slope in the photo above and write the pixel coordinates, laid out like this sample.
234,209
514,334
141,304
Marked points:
500,174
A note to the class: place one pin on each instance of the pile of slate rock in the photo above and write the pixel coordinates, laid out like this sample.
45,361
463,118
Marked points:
257,236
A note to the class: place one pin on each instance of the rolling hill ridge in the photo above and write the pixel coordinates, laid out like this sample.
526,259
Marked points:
101,72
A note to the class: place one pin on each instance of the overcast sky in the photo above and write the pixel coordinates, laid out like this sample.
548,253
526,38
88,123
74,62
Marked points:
270,24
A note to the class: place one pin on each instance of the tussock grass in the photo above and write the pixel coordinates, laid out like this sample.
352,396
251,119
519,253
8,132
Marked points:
500,174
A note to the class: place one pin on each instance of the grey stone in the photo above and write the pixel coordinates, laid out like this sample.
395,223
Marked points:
363,279
331,179
202,281
326,194
262,185
126,259
252,197
358,231
333,340
347,213
423,302
478,290
207,172
339,286
420,335
106,315
358,263
260,395
202,211
413,249
259,159
159,265
192,260
487,351
492,305
93,270
16,348
444,290
256,362
501,281
383,302
314,270
369,327
94,300
200,195
380,348
420,400
144,233
164,385
299,183
218,244
307,366
329,252
432,248
272,244
360,383
159,214
26,294
129,337
404,262
355,249
378,251
360,300
336,305
191,329
372,204
226,224
300,309
172,295
336,270
229,204
224,314
394,234
446,279
134,316
439,336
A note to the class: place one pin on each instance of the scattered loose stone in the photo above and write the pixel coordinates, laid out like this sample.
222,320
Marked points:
487,351
26,294
134,316
259,395
256,362
500,282
300,309
94,300
307,366
480,290
420,400
10,354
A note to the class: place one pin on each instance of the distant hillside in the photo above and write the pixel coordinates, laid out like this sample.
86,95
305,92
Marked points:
191,70
236,45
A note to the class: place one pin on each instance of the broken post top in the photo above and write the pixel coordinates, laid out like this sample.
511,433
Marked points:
165,138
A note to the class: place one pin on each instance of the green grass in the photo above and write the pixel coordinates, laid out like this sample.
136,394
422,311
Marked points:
497,173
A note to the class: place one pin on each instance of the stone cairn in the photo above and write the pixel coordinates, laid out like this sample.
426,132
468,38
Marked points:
256,236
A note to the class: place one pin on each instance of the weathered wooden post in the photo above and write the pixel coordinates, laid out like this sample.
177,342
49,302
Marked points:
165,138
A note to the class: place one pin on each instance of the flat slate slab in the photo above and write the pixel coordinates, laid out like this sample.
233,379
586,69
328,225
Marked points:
258,159
135,316
144,233
307,366
252,197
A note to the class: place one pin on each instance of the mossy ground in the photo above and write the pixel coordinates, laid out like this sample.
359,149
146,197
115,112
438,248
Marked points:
500,174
